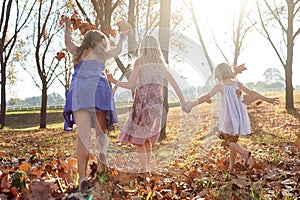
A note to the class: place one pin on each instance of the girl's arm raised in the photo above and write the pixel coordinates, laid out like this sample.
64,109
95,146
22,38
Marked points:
118,49
124,28
72,48
255,95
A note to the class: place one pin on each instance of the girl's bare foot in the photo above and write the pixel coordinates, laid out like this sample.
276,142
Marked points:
83,185
102,162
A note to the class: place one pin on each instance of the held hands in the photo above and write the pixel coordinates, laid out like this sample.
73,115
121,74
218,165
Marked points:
186,108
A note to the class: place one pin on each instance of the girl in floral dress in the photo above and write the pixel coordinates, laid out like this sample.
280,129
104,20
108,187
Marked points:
144,123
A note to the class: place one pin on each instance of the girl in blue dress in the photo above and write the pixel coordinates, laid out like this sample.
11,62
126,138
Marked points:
90,96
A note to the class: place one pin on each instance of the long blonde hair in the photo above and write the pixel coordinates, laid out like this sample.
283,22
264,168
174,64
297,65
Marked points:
223,71
96,41
149,52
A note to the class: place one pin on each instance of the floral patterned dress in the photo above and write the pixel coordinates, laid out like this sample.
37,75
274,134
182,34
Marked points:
145,117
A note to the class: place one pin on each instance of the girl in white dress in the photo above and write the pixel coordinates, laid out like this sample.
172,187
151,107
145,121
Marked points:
233,116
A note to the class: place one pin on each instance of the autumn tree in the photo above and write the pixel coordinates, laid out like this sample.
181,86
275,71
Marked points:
278,20
10,28
240,24
104,10
45,35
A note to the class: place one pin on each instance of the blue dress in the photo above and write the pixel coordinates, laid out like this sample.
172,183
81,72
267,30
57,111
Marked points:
89,90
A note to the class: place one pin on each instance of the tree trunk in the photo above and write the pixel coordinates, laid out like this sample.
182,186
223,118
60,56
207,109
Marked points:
107,12
3,95
289,96
238,32
132,45
290,39
43,114
5,14
164,38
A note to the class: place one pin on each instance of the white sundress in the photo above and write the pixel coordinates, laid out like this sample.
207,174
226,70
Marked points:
233,117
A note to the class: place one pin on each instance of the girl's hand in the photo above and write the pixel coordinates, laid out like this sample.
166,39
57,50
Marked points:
109,76
124,27
239,69
273,101
67,22
248,99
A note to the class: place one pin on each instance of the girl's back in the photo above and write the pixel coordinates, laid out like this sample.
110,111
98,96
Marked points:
151,74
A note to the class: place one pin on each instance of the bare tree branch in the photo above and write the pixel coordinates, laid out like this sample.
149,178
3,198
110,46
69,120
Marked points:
99,9
218,46
200,37
82,11
268,37
296,33
275,16
115,5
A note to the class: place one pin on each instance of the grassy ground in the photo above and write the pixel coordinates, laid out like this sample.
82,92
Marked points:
31,119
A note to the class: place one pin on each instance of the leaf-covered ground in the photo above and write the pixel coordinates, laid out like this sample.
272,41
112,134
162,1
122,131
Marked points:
190,164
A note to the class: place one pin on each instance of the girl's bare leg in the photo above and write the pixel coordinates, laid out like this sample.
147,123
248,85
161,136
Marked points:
102,140
148,148
83,124
144,152
233,146
232,158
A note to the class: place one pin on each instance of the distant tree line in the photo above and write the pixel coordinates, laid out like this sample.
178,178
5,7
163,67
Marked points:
52,99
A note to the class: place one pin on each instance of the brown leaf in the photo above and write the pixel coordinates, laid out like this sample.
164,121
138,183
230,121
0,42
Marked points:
5,184
37,171
25,167
238,93
85,26
109,31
